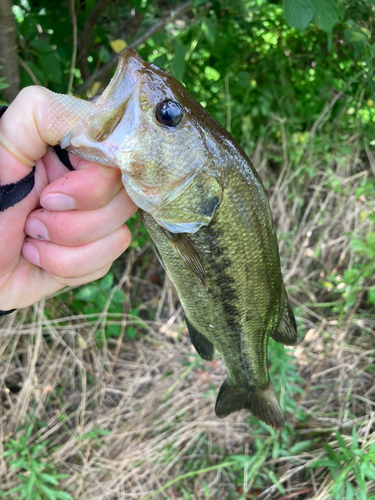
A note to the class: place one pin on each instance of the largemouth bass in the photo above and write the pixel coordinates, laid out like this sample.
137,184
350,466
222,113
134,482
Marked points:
208,217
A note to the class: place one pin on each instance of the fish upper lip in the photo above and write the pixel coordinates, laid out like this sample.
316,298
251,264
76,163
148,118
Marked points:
112,102
123,84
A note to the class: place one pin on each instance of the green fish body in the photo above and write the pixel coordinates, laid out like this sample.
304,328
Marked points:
208,218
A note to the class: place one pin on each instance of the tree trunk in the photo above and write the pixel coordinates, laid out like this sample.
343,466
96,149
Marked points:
8,51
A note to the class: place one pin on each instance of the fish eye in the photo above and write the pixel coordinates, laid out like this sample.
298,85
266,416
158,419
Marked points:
169,113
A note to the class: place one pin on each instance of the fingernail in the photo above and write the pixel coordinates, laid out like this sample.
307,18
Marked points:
30,252
36,229
58,201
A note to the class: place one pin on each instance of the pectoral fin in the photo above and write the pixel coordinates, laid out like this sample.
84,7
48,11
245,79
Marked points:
194,206
286,332
203,346
188,254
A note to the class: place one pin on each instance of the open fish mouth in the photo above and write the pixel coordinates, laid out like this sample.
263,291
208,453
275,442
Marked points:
104,130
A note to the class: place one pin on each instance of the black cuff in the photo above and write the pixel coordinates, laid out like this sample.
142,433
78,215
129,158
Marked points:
10,194
4,313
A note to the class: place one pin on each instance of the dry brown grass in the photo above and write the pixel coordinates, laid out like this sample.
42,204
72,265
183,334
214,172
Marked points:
155,398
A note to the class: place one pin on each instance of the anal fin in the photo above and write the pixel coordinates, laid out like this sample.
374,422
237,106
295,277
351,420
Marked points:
262,403
286,331
203,346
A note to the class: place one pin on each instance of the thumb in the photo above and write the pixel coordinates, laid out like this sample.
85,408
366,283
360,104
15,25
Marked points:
39,117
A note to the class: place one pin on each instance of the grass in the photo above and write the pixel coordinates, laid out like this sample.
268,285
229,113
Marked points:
128,407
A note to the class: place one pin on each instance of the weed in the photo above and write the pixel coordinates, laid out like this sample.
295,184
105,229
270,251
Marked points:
351,466
37,478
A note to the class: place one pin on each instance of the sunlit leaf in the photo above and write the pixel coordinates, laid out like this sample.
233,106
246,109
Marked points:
118,45
87,293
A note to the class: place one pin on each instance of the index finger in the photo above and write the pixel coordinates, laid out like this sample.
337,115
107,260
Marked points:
88,187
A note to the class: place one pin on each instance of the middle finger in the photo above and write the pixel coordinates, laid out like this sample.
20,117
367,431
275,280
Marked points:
78,227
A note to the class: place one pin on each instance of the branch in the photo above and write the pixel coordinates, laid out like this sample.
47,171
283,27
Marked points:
73,17
8,51
106,69
86,36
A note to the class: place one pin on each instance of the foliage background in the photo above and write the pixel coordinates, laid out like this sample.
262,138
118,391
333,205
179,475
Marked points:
101,394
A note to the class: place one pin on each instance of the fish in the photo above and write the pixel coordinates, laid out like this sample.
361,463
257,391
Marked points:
209,220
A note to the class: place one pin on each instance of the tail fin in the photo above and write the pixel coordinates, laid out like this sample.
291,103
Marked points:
262,403
286,332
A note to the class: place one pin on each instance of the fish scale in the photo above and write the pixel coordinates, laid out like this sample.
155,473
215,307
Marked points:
208,217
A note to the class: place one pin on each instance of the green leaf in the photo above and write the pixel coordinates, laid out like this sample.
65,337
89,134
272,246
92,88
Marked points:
113,331
104,54
370,238
358,245
51,67
209,30
87,293
15,489
355,438
41,46
50,493
349,491
299,13
326,14
131,332
161,61
357,36
119,296
370,472
178,62
300,447
343,446
107,282
48,478
325,463
34,68
350,276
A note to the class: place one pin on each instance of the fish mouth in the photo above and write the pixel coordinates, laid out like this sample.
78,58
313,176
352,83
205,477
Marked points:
96,136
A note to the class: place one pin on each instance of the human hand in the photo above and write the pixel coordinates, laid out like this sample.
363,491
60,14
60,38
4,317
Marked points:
70,228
